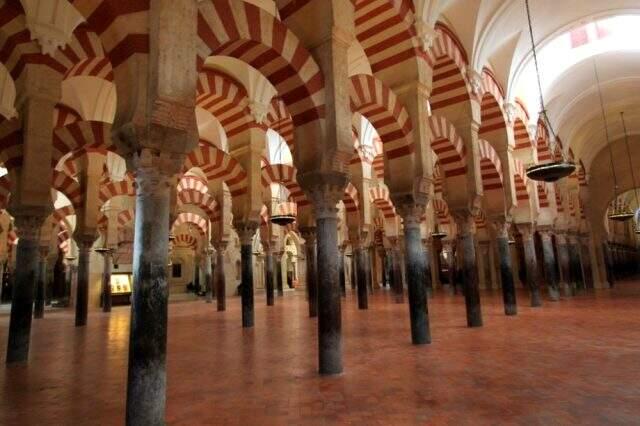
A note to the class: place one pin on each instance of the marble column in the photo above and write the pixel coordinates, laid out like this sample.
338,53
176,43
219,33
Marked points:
38,308
449,246
396,276
107,257
343,278
563,261
269,277
506,271
575,263
531,264
246,231
466,225
387,268
426,253
361,278
220,282
495,283
353,267
415,267
82,289
608,261
549,264
26,274
325,190
278,269
309,235
368,267
208,276
146,385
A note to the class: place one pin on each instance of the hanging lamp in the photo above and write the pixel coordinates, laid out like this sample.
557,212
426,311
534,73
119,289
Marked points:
618,214
284,212
556,169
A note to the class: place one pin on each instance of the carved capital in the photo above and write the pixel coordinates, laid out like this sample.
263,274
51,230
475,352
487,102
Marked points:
28,226
245,231
258,110
475,81
465,221
527,230
309,234
425,33
512,112
501,227
324,190
411,213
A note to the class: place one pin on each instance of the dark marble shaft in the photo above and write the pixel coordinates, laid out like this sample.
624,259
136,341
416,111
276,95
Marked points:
565,270
361,276
470,278
549,259
576,266
329,317
368,266
279,283
506,275
221,285
106,284
270,280
312,278
398,283
82,287
531,265
246,288
428,284
146,385
22,301
415,266
38,307
343,278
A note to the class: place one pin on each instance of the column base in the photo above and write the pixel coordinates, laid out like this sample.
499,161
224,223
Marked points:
511,310
536,299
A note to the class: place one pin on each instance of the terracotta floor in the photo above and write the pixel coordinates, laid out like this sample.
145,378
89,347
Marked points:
572,362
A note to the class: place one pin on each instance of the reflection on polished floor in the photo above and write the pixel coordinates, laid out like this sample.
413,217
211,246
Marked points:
572,362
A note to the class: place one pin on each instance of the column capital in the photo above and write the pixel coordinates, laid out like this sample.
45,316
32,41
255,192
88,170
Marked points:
501,225
545,232
527,230
465,221
325,190
309,234
411,213
245,231
29,222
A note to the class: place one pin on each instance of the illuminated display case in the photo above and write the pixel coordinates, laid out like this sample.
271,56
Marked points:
121,289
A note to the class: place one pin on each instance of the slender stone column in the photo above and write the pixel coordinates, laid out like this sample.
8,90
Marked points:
343,278
246,231
428,284
608,262
449,247
466,225
386,268
495,283
549,264
354,267
28,224
309,235
415,267
146,384
563,261
325,190
575,262
531,264
396,277
506,271
279,285
106,280
38,309
82,289
269,276
366,252
208,276
220,282
363,301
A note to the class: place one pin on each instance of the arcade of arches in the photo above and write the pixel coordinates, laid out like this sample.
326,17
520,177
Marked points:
237,155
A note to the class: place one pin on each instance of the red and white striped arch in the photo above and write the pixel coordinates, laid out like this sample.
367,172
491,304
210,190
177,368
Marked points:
450,86
491,107
69,187
246,32
217,164
110,189
286,176
521,181
490,166
542,143
520,133
81,135
350,199
59,216
385,31
383,109
380,197
204,201
543,195
226,99
11,143
279,120
5,191
441,209
438,178
64,115
559,201
196,219
448,146
186,240
124,218
191,182
85,56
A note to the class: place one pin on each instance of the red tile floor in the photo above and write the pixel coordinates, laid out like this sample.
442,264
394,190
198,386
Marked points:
572,362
